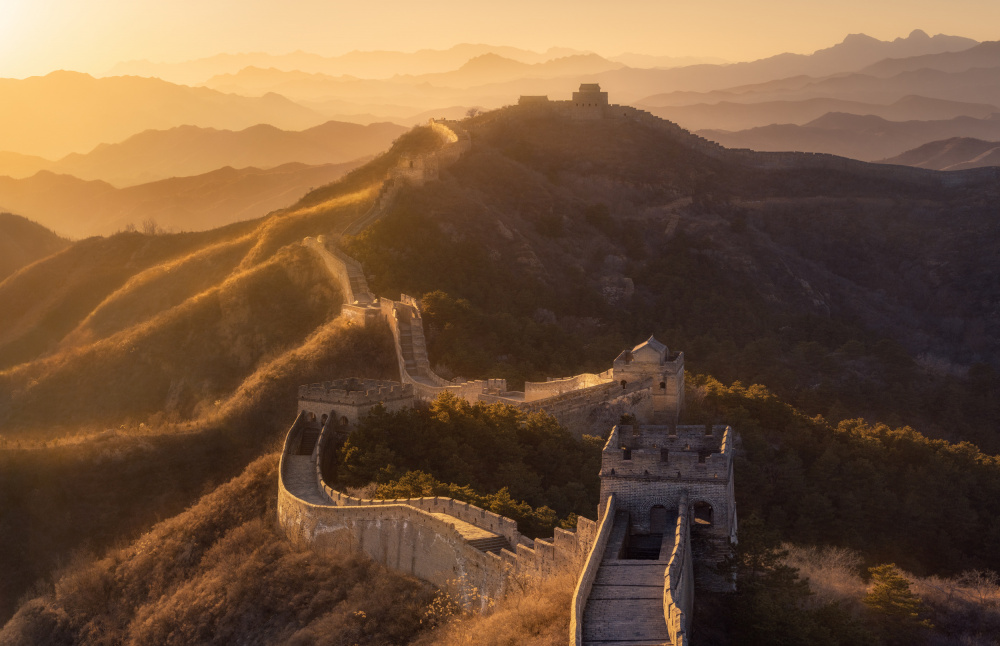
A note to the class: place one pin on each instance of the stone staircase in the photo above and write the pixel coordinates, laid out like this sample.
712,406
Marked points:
625,606
479,538
494,544
309,438
412,344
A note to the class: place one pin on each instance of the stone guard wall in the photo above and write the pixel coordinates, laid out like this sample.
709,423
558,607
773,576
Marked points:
606,516
407,536
678,588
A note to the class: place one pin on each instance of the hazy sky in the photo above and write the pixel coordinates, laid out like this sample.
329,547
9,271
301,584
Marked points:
37,36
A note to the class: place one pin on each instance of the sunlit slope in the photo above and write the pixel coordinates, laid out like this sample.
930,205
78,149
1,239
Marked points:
22,242
139,327
223,569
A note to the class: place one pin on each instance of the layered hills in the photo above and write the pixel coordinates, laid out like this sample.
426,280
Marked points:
81,208
137,371
191,150
65,112
865,137
957,153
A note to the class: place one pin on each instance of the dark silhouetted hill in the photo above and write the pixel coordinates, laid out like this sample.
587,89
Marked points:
22,242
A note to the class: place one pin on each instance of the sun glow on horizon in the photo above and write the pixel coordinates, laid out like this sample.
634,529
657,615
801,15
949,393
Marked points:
38,37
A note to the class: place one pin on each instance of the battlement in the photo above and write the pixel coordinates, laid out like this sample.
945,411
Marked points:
668,453
355,392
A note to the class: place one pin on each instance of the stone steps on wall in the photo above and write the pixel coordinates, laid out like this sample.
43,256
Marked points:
494,544
625,605
309,438
626,620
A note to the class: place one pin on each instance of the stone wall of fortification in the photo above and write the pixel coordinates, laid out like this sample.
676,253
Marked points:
588,573
412,535
551,387
678,588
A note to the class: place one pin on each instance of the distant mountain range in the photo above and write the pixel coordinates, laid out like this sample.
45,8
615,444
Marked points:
957,153
64,112
370,64
80,208
727,115
189,150
22,242
864,137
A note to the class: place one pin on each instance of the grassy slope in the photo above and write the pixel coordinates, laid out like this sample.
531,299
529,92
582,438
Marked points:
188,347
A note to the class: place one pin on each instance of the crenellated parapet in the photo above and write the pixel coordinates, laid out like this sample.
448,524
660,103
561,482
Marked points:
460,547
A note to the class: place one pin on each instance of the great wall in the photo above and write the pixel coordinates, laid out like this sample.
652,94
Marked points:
667,507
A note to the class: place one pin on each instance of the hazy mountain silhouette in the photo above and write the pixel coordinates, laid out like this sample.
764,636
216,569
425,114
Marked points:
957,153
727,115
81,208
22,242
865,137
368,64
18,165
854,53
66,112
977,85
982,55
189,150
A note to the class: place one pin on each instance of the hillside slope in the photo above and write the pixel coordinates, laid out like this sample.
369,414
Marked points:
138,371
22,242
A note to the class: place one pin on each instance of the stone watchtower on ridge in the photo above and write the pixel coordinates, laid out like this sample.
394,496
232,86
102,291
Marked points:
653,360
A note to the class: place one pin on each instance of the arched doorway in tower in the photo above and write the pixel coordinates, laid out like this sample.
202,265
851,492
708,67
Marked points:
702,516
658,520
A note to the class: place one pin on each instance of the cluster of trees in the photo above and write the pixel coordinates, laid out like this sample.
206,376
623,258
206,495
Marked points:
524,466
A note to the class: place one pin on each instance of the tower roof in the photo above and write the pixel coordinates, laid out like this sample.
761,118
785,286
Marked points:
651,343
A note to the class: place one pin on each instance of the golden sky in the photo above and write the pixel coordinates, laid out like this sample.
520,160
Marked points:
38,36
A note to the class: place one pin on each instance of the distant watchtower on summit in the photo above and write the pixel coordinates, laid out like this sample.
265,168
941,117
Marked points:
589,102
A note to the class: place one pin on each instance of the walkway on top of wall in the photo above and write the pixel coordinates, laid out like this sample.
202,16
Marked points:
300,479
625,606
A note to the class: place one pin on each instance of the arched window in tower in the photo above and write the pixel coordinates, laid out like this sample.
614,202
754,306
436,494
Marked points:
624,383
702,513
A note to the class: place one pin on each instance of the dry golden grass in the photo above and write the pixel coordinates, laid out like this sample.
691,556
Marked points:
159,288
181,359
222,573
535,614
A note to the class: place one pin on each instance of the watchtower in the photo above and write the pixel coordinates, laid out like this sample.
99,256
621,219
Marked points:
651,359
589,102
343,402
652,469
